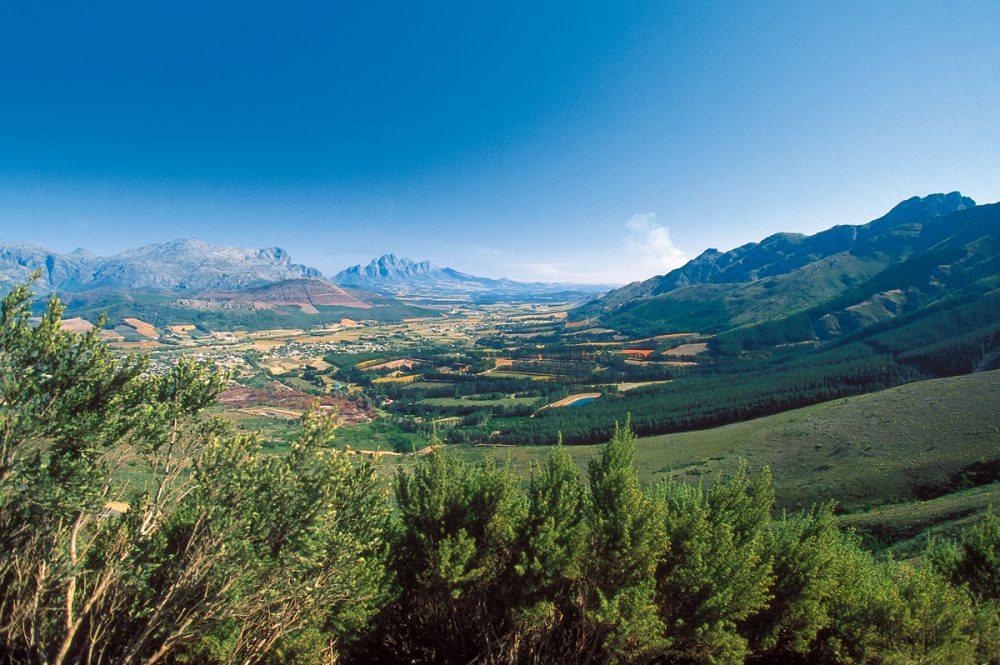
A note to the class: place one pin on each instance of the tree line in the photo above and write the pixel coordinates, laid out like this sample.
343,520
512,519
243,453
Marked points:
726,392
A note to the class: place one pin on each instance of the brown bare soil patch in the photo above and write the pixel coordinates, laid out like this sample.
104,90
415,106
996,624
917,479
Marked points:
77,325
277,396
273,412
687,349
143,328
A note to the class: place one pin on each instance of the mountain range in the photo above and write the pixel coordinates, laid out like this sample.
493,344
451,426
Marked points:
943,237
180,265
400,276
226,287
191,266
922,252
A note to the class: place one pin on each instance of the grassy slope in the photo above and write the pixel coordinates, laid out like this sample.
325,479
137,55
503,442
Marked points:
906,525
897,445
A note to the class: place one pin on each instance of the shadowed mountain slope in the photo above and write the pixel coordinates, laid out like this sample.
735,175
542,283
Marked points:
784,273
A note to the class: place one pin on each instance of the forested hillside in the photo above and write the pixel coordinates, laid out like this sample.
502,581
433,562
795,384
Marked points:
932,309
786,273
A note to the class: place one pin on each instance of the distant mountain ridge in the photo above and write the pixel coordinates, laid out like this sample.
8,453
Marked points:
783,252
179,265
390,269
395,275
190,266
781,274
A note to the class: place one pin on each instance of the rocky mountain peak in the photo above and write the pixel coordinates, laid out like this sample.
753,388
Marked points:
183,264
919,208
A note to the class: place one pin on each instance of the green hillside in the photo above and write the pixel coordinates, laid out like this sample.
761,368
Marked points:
917,441
921,251
906,526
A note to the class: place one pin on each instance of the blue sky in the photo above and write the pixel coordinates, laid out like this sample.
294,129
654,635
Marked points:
599,142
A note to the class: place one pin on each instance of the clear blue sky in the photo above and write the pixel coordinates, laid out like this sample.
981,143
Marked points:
579,141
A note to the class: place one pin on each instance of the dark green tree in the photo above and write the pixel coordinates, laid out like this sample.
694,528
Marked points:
453,558
973,562
803,550
889,612
626,542
717,572
550,567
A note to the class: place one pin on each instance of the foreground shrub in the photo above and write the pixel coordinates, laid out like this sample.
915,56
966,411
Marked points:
717,572
221,553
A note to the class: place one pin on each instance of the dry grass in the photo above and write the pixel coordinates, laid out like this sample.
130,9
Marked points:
625,387
402,363
687,349
77,325
397,379
283,365
143,328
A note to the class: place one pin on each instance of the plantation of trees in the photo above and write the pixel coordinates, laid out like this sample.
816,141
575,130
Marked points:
750,378
724,393
227,554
